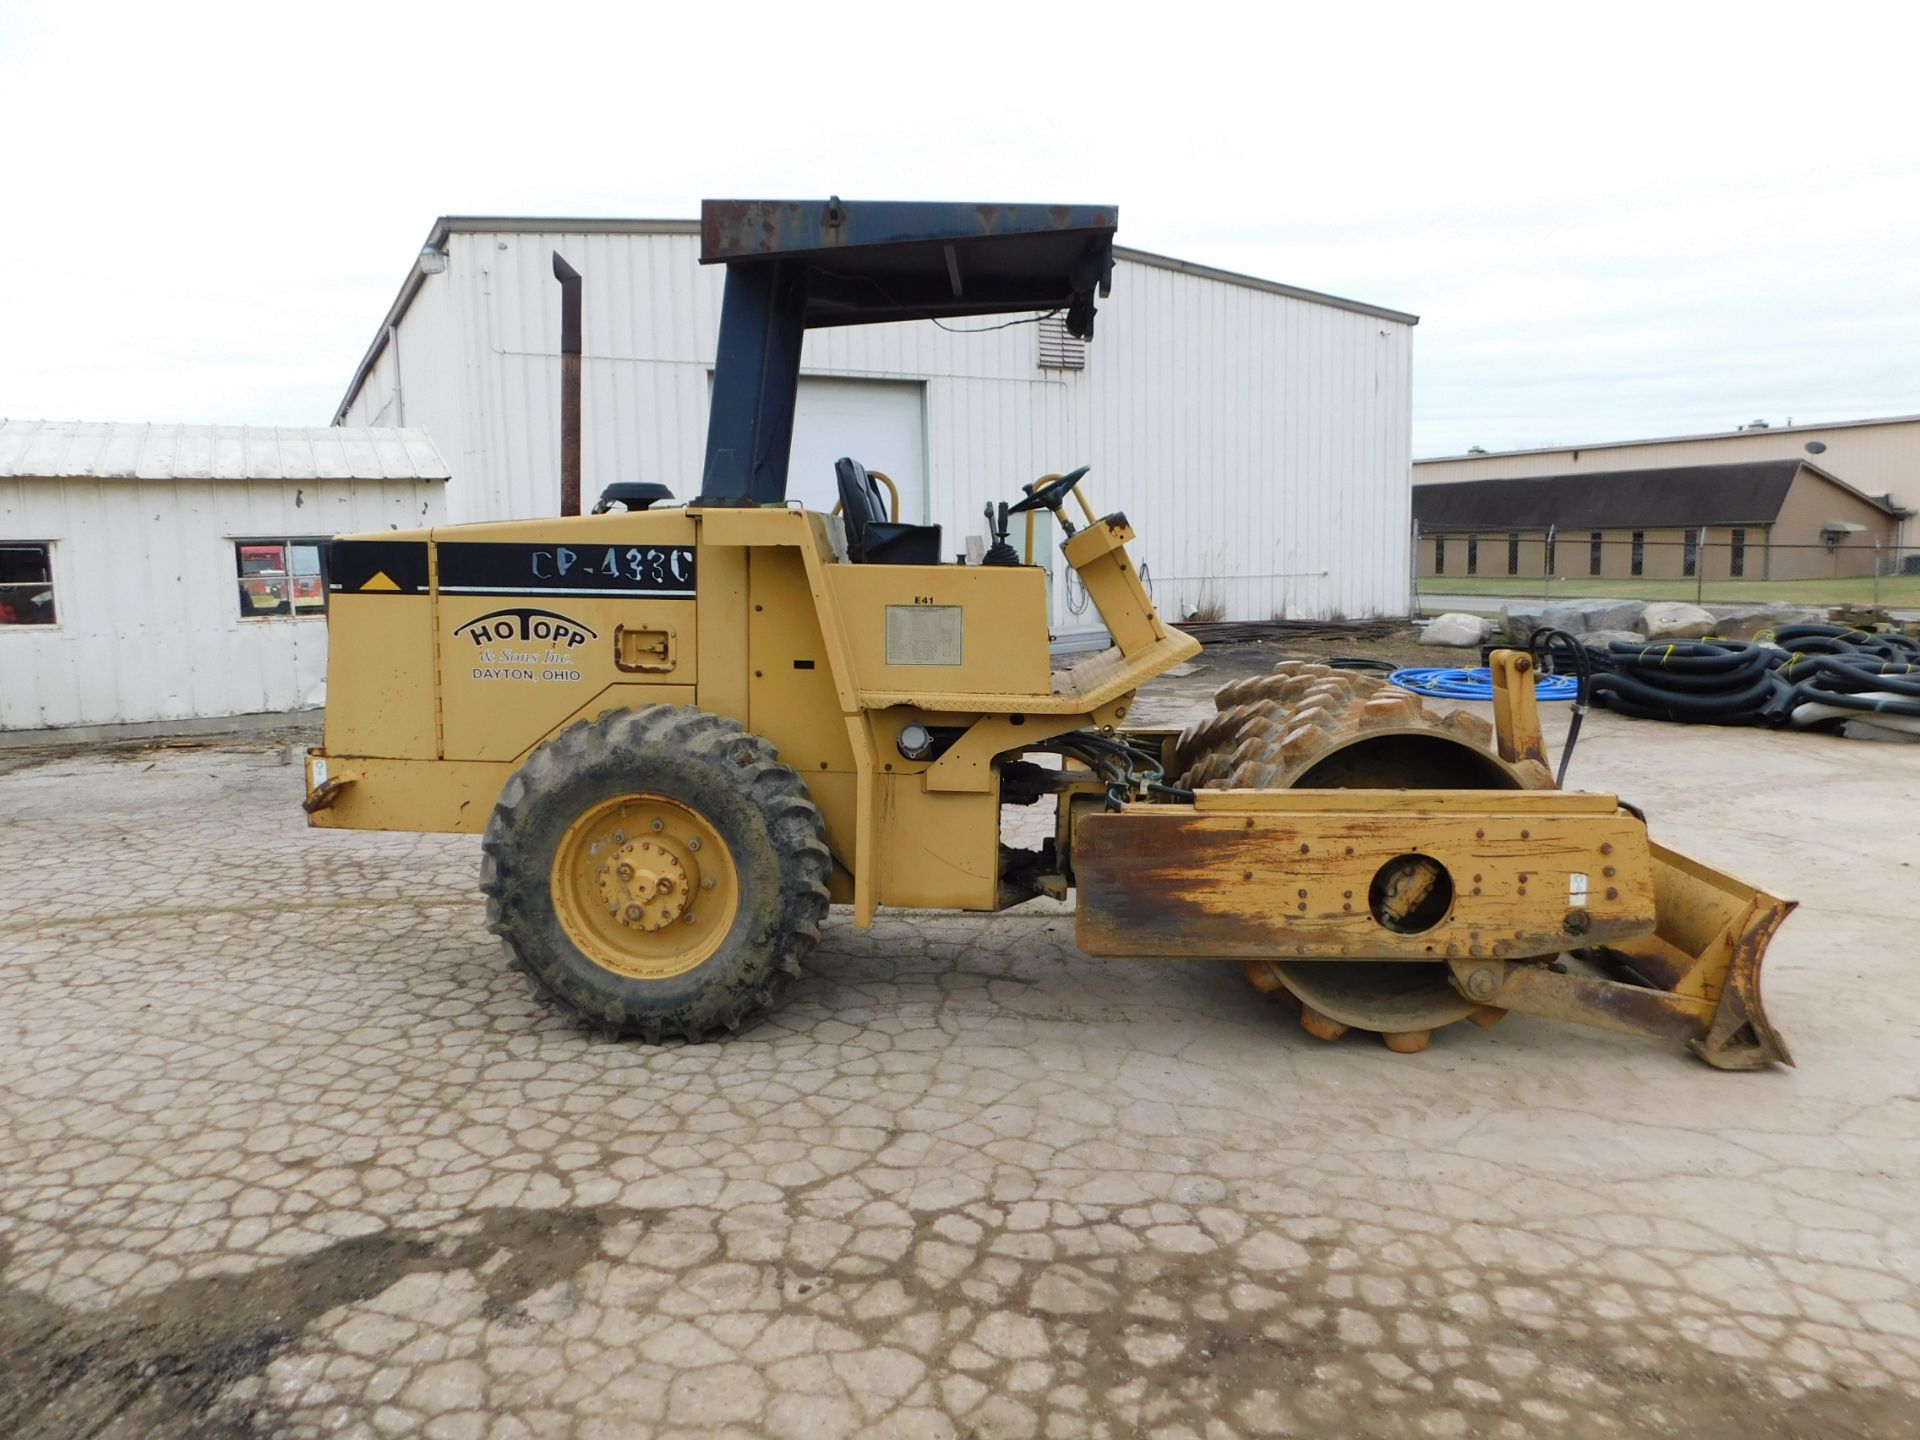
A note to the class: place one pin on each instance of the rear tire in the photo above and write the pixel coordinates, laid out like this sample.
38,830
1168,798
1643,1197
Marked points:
730,890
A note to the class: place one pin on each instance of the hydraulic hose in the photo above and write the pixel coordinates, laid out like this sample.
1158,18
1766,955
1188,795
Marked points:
1550,648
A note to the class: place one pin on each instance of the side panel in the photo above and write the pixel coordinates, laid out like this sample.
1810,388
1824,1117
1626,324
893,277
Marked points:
532,628
791,695
1178,881
722,627
380,667
938,851
954,629
512,668
380,675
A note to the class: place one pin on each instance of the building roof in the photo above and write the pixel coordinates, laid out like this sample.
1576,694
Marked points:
1668,497
583,225
63,449
1745,431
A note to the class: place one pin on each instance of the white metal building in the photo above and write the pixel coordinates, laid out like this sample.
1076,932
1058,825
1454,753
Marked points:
1257,435
172,572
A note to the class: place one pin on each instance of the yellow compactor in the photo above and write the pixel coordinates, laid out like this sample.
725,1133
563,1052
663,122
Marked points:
685,730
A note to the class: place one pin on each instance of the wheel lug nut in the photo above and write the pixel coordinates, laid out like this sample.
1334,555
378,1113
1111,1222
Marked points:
693,842
659,825
625,872
634,912
707,883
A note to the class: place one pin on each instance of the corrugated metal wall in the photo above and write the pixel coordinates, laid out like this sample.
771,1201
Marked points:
1258,441
1260,444
146,595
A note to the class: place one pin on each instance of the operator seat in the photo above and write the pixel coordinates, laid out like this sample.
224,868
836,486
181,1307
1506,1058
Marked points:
873,539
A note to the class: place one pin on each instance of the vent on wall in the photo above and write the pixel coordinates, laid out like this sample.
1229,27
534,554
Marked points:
1058,349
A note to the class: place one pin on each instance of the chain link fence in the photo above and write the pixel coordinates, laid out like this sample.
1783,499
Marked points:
1718,566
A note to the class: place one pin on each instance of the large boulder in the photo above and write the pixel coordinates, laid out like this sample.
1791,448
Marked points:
1522,618
1456,628
1614,614
1743,622
1601,639
1567,615
1675,620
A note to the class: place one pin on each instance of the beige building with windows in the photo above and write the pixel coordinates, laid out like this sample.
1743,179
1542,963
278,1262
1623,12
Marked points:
1781,519
1879,457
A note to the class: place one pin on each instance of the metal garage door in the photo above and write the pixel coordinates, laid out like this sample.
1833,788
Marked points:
882,424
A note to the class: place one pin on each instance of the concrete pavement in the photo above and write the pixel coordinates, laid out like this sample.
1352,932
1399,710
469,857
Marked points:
285,1149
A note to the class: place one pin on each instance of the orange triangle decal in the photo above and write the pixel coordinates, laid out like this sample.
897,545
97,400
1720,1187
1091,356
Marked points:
380,581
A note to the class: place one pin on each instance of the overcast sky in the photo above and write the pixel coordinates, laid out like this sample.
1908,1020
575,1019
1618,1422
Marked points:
1613,221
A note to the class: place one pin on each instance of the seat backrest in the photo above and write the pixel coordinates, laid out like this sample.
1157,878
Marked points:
859,502
634,494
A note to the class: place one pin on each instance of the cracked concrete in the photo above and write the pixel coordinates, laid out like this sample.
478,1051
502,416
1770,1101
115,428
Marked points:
285,1149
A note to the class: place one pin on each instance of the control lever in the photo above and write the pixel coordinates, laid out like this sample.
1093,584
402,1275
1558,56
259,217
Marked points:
1000,552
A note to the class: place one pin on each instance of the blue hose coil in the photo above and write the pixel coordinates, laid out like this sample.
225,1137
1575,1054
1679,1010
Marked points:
1446,683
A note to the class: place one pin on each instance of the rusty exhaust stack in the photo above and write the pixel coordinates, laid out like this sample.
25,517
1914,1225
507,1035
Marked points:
569,279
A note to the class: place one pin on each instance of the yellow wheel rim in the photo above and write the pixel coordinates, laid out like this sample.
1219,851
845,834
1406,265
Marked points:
645,887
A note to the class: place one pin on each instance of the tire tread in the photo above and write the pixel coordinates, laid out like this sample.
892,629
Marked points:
751,767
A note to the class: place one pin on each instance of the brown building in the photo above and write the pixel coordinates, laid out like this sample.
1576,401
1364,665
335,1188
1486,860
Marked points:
1759,520
1880,456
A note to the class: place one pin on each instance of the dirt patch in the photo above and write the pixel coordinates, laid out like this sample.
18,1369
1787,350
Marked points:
1187,1341
146,749
157,1366
1153,1341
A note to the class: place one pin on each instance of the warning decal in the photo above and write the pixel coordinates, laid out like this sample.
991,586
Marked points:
377,567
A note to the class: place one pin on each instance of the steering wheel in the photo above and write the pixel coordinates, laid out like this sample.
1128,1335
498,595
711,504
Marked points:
1052,495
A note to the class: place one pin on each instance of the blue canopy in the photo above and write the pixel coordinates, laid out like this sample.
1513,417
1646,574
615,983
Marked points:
796,265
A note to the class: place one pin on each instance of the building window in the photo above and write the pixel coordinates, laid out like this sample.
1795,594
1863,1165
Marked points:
1513,552
26,582
1439,554
1473,554
1737,554
1595,548
1639,552
282,577
1690,554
